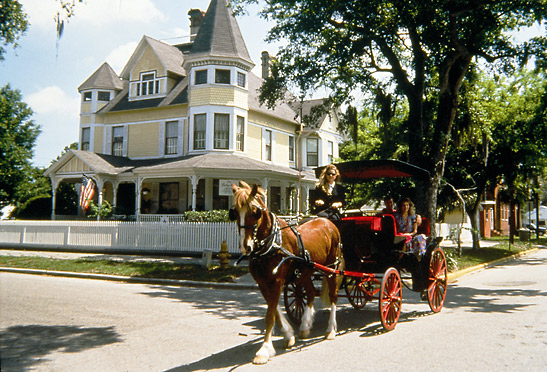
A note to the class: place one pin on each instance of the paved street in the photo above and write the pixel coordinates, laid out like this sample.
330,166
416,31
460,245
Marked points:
493,320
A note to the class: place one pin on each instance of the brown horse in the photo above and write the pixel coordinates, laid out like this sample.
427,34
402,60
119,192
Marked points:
267,240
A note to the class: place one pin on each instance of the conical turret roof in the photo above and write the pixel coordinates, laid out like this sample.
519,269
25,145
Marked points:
219,34
103,78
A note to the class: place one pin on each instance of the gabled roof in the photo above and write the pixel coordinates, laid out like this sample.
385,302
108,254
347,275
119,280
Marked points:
313,112
103,78
219,35
170,57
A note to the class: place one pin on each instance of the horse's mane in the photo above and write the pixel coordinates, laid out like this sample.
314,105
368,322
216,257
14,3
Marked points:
242,195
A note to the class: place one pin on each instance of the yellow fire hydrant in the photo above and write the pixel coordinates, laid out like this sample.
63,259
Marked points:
224,256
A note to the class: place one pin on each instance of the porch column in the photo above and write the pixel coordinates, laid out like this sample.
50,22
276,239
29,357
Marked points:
194,180
303,202
100,185
115,194
138,192
54,185
264,184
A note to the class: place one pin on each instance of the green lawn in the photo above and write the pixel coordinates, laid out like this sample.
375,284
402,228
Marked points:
165,270
141,269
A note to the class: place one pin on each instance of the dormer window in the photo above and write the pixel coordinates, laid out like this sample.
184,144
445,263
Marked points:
148,85
87,97
222,76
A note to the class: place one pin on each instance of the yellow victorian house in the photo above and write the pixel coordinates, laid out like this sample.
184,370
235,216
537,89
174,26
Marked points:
182,122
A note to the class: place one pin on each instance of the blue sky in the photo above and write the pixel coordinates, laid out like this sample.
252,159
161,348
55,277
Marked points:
101,30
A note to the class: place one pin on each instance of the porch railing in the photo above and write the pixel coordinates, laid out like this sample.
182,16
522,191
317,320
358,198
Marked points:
184,238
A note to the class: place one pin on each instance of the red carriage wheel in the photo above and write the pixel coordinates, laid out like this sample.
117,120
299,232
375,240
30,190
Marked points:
391,299
437,281
296,299
356,294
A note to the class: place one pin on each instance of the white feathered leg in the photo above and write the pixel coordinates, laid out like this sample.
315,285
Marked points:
286,329
331,330
307,321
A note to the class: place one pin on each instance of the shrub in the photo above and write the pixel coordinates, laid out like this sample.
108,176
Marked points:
36,208
219,215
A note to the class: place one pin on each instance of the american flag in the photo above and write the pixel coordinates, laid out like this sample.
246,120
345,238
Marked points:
86,192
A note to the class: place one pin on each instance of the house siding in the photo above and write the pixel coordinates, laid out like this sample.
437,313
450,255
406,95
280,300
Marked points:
98,139
148,62
143,140
219,96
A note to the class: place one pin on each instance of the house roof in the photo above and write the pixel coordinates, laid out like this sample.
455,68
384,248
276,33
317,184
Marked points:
219,34
170,56
103,78
184,166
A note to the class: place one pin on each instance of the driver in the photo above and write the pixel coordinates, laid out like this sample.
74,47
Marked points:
328,195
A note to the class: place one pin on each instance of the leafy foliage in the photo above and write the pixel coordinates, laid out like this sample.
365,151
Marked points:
13,24
18,135
220,215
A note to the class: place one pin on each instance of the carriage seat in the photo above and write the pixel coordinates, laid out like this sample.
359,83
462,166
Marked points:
388,236
424,228
357,234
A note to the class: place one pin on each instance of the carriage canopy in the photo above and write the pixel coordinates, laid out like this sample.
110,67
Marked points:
358,170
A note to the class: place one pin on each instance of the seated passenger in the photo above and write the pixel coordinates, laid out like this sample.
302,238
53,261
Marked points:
328,195
388,202
407,224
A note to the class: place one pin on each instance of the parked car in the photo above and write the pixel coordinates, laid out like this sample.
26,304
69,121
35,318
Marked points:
533,227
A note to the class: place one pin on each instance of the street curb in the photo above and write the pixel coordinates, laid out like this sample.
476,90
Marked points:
452,277
129,279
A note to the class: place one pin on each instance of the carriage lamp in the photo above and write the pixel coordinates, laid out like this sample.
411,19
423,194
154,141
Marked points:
224,256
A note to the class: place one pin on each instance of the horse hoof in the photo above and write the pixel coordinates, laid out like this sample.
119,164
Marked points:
289,342
260,359
305,334
331,335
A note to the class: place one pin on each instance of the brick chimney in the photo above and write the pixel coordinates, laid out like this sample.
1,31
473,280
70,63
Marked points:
196,16
265,64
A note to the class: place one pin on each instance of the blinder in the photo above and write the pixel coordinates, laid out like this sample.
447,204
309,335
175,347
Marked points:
232,214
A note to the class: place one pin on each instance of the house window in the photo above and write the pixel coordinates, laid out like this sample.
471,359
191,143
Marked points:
103,96
148,84
199,131
222,131
291,148
268,145
169,198
312,153
241,79
171,137
87,96
117,141
86,132
240,134
219,201
330,150
222,76
201,77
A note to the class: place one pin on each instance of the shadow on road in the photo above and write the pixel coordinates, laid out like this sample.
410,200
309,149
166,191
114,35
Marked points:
25,346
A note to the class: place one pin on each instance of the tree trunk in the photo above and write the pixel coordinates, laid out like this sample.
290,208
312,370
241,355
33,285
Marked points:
474,217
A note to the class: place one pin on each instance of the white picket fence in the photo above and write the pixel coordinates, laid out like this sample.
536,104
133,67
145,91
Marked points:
150,237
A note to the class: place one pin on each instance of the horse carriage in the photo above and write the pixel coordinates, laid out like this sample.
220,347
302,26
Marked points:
360,255
376,266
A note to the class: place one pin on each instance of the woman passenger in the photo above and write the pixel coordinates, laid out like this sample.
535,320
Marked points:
407,224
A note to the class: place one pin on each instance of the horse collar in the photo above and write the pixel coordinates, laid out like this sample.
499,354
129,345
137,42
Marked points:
271,243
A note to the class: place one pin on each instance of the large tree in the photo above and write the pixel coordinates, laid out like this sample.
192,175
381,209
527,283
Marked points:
18,136
421,49
13,24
